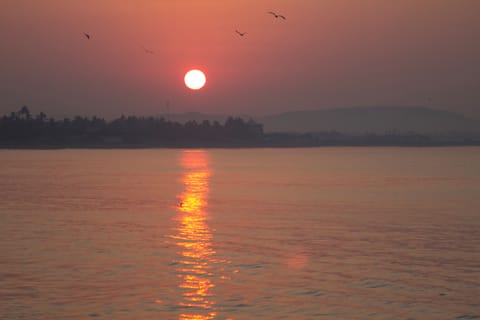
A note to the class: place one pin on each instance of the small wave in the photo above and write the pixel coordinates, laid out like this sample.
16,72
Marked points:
375,284
249,266
315,293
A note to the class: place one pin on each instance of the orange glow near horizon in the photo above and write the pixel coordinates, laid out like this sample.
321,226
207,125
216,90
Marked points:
193,237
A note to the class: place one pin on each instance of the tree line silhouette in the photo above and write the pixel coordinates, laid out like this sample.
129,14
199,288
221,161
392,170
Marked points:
21,129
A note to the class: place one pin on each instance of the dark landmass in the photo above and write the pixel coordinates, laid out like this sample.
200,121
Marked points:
200,117
358,120
23,130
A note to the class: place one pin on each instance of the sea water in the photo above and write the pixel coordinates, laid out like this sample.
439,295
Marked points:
319,233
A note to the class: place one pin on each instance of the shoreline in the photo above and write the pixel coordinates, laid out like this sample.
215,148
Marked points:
236,146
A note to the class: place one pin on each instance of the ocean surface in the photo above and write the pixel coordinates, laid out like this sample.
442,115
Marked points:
320,233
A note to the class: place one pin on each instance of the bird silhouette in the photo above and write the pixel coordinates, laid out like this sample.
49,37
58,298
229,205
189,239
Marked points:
148,50
240,33
87,35
277,15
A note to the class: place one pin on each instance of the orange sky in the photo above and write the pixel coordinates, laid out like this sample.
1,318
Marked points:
328,53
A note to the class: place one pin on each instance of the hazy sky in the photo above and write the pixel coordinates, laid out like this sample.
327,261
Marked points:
328,53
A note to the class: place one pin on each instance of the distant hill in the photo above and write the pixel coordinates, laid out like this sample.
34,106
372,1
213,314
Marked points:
371,119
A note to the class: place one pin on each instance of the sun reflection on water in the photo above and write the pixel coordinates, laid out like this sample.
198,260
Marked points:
194,238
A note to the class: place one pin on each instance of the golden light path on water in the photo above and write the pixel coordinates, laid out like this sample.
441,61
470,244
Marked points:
194,238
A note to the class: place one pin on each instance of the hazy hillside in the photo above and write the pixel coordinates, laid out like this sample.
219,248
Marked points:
372,119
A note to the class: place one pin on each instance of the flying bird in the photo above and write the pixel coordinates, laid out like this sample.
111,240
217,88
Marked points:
86,35
240,33
277,15
148,50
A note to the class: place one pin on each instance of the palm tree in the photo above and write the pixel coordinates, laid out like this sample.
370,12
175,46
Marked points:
25,113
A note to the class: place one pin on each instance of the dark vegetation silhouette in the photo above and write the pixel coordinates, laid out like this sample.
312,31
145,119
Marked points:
21,129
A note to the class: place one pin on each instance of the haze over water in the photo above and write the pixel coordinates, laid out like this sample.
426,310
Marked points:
321,233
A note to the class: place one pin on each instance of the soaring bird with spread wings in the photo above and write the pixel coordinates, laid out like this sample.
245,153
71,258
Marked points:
240,33
277,15
87,35
148,50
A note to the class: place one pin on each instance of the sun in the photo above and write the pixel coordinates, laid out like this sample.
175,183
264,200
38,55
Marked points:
195,79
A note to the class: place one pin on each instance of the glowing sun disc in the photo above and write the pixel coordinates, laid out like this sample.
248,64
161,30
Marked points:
195,79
